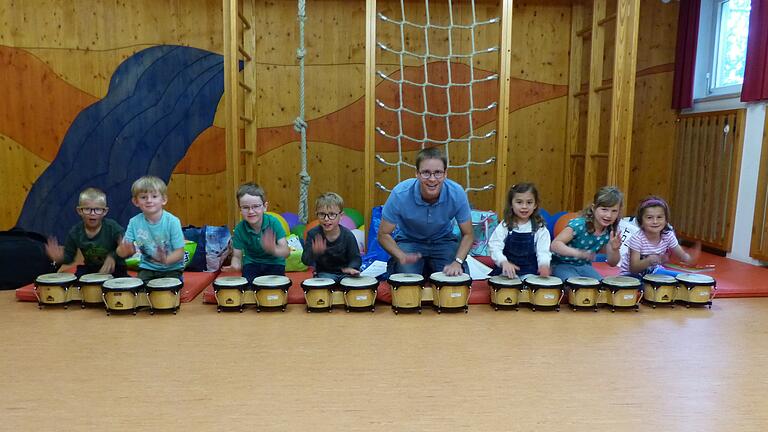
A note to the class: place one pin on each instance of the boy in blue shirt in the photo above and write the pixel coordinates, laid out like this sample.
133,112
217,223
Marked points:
155,232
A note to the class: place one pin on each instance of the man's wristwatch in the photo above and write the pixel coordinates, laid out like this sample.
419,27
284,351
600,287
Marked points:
459,260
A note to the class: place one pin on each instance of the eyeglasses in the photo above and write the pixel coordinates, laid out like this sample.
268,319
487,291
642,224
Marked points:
255,207
92,210
329,216
427,174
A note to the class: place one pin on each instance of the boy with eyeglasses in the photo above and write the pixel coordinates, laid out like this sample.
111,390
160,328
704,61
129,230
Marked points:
424,208
331,248
155,232
259,244
95,236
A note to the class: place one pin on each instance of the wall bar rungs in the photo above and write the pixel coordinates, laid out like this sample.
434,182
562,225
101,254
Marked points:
584,32
246,23
603,87
580,93
246,119
245,86
607,19
243,53
246,151
599,155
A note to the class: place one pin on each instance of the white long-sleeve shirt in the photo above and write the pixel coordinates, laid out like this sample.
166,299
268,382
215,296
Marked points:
541,241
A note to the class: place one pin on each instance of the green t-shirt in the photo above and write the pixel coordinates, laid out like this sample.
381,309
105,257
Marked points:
96,249
249,241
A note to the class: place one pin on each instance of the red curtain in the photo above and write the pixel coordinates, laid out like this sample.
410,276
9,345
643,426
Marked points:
685,53
755,85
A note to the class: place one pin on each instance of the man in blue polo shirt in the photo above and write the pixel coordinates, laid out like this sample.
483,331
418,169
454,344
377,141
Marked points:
424,209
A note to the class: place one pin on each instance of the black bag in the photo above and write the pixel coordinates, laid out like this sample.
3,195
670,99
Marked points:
22,258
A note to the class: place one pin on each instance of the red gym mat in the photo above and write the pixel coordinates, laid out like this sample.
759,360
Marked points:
194,284
295,292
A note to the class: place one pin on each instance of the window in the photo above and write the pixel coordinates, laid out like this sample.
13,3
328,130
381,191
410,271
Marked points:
723,31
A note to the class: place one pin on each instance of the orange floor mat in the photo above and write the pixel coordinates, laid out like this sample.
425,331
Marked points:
194,284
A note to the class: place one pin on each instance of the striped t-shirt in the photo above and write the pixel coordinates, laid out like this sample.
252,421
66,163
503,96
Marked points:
640,243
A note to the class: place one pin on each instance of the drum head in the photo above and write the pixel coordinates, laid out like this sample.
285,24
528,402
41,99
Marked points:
583,281
271,281
92,278
504,281
318,283
230,281
359,281
695,279
56,278
659,279
621,282
406,278
442,278
124,283
164,283
543,281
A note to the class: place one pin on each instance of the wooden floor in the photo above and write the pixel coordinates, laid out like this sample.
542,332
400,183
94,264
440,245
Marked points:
656,370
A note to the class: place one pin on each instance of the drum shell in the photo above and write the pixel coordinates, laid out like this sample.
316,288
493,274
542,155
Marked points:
164,299
659,293
360,297
622,295
583,295
505,294
318,296
120,299
407,296
230,295
90,293
271,297
545,295
693,293
451,296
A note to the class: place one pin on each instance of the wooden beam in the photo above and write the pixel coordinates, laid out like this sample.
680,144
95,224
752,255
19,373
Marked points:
623,97
594,102
249,98
573,119
370,108
231,114
502,122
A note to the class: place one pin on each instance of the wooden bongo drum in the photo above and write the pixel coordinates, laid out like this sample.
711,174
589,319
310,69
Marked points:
659,289
359,293
163,294
546,291
90,288
317,294
52,289
582,292
271,292
695,290
121,294
505,292
230,292
623,292
406,291
451,292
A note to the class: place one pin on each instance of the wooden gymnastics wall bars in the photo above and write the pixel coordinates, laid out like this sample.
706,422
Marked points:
759,247
705,177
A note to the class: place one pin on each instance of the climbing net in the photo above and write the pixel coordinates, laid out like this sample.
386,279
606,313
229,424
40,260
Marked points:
430,100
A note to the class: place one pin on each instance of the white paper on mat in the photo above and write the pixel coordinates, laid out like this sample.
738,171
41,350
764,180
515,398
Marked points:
376,268
477,270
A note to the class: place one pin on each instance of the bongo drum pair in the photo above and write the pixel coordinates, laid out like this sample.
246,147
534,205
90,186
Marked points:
359,293
695,290
270,292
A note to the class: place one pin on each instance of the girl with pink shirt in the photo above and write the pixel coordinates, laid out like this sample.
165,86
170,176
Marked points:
651,246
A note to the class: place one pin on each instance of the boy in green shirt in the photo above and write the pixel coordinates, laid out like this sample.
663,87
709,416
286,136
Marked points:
96,237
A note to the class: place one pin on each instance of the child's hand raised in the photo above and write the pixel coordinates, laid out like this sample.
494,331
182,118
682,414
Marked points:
54,250
615,240
319,245
693,254
509,270
269,241
125,248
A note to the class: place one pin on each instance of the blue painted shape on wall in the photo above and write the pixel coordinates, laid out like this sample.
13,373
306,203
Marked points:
159,100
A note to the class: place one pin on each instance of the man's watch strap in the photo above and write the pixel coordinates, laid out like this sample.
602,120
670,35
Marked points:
459,260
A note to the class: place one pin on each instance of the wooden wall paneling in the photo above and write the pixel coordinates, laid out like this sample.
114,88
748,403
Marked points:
625,64
502,119
759,243
20,168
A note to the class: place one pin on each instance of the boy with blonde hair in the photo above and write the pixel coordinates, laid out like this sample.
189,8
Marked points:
95,236
259,244
331,248
155,232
